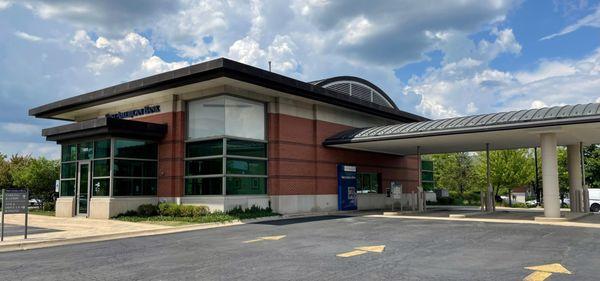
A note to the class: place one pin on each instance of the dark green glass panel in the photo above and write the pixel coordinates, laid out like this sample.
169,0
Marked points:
134,168
204,186
136,149
204,167
429,186
100,187
68,170
246,167
69,152
246,148
83,188
134,187
67,187
427,165
427,176
204,148
101,168
102,149
241,186
85,150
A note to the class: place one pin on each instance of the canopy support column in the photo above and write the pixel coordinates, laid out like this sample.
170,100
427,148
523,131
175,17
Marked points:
550,175
586,194
575,177
489,203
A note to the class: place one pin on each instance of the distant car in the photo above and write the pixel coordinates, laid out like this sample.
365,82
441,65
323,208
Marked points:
34,202
531,203
594,199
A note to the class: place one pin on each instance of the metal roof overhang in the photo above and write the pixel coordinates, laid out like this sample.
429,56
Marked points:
508,135
105,127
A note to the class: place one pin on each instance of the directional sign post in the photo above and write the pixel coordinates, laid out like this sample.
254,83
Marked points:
15,201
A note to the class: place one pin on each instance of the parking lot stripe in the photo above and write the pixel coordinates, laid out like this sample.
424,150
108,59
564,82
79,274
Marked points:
351,254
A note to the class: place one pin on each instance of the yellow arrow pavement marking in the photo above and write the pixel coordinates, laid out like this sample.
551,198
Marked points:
362,250
542,272
265,238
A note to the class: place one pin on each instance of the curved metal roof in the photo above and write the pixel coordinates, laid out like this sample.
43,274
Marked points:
357,87
548,116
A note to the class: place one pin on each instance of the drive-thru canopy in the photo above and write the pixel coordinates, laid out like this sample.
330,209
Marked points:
570,125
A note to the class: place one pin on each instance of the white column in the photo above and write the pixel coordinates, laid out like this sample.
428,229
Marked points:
575,186
550,175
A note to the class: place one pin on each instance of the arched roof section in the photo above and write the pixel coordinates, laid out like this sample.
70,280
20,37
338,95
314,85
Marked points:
358,88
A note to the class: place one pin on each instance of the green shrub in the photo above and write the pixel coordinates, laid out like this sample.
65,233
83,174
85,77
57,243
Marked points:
169,210
129,213
519,205
49,206
147,210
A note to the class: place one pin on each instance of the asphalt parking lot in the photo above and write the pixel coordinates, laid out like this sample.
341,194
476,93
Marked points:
308,249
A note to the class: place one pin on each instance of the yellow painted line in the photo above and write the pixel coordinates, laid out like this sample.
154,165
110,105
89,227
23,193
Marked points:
374,249
551,268
537,276
351,254
362,250
265,238
542,272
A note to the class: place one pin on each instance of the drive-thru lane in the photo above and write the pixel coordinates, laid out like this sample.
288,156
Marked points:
307,249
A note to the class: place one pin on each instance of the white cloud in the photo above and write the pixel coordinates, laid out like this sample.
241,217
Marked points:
155,65
20,128
591,20
4,4
28,37
35,149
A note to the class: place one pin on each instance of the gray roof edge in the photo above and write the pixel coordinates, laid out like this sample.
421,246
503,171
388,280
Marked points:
220,67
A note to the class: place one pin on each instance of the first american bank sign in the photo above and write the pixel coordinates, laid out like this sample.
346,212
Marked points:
148,109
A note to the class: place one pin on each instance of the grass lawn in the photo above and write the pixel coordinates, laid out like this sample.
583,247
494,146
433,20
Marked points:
41,213
209,218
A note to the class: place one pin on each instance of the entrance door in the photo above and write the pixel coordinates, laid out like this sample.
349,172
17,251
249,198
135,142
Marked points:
83,187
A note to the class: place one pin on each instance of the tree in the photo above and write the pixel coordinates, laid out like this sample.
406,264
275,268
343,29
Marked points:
508,169
37,175
5,178
592,166
454,171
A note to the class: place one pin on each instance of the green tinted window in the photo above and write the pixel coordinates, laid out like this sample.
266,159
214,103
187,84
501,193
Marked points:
101,168
102,149
427,165
67,188
134,187
246,167
204,148
367,183
134,168
204,186
100,187
136,149
69,152
239,186
204,167
85,151
427,176
68,170
246,148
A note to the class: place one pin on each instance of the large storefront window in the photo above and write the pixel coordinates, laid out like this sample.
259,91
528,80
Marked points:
135,168
368,183
133,164
234,162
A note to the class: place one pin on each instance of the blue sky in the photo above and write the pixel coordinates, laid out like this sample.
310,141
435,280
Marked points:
436,58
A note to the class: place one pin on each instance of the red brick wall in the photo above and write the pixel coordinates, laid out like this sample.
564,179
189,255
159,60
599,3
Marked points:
300,164
170,153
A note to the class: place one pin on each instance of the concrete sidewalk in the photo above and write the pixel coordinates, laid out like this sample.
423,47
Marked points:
53,231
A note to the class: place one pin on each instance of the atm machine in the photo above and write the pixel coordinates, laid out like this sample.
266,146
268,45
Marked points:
346,187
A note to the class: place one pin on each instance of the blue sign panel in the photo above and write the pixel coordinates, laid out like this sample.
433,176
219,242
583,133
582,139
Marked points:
346,187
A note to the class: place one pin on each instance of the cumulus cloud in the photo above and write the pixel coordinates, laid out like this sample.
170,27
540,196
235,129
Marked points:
27,36
4,4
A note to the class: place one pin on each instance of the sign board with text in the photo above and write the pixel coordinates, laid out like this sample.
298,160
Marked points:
15,201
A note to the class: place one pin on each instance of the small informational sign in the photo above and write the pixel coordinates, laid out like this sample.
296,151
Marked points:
15,201
346,187
396,190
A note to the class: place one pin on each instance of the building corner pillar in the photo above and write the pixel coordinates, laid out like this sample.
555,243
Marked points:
550,175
